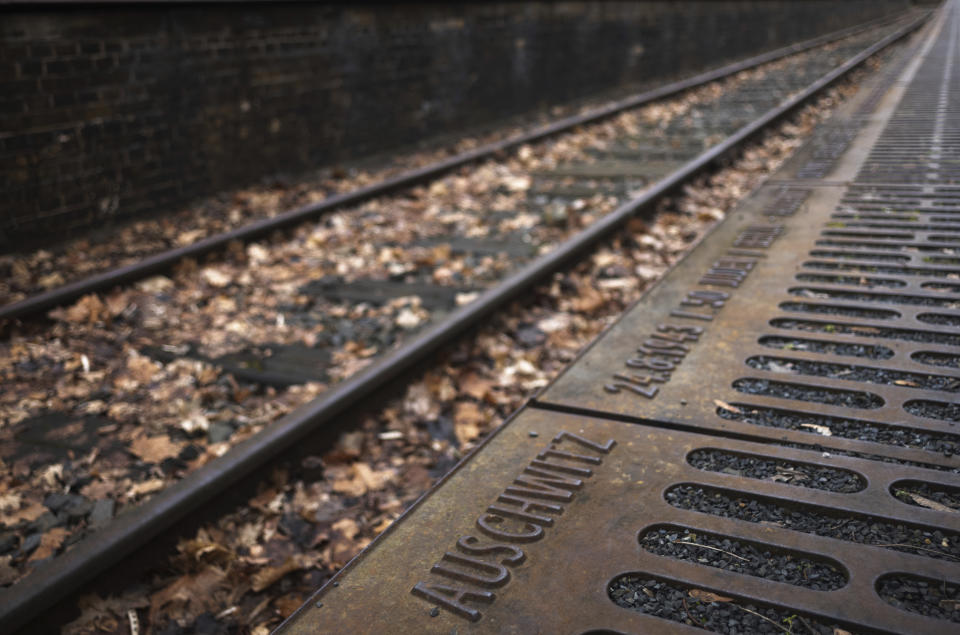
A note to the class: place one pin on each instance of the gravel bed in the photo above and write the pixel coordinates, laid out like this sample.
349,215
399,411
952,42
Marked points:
802,474
936,359
799,392
820,521
864,374
677,603
864,330
941,286
941,260
826,347
891,298
852,243
859,281
861,430
850,255
934,409
748,558
938,599
827,309
939,319
907,491
903,271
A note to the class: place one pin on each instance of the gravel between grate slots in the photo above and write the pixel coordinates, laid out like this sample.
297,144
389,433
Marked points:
946,496
867,314
846,398
856,373
933,409
866,282
801,474
888,298
819,521
743,557
907,335
937,599
937,359
845,428
900,271
672,602
827,348
940,319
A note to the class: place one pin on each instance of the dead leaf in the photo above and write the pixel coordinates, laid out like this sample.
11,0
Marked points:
824,430
707,596
146,487
268,575
49,543
155,449
726,406
905,382
466,421
29,513
475,386
931,504
588,299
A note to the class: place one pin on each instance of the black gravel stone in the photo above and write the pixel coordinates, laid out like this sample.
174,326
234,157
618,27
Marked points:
845,428
821,521
800,392
792,473
829,309
648,595
743,557
938,599
933,409
865,374
826,347
937,359
866,330
900,271
887,298
947,496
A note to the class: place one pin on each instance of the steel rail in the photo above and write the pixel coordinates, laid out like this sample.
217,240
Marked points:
55,579
164,260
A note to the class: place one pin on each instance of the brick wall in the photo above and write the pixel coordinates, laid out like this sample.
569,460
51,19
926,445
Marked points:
113,110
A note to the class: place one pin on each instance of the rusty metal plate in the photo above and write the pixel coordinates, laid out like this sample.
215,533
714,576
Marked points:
540,530
793,328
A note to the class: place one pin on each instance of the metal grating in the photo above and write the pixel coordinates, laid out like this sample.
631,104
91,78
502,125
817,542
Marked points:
533,545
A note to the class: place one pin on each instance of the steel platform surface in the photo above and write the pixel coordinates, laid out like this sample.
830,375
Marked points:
775,393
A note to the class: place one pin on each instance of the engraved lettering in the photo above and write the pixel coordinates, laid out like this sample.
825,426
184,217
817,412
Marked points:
531,533
526,495
521,514
452,598
649,392
587,443
559,467
468,544
560,454
496,574
549,479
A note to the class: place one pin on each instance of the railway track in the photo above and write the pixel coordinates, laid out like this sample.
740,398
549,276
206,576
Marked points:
757,446
710,126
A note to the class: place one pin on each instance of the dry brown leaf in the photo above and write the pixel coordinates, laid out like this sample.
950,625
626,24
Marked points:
196,589
146,487
28,513
726,406
707,596
905,382
931,504
475,386
268,575
88,309
824,430
466,421
49,543
840,631
373,479
155,449
588,299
